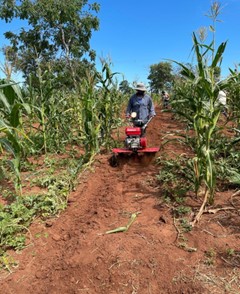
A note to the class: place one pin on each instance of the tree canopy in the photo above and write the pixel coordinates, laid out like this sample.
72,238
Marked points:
125,88
160,75
57,35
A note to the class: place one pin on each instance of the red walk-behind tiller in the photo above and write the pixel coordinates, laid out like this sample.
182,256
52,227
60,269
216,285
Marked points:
135,141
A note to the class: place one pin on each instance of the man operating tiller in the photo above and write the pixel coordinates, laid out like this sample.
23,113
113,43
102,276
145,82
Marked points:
141,104
140,111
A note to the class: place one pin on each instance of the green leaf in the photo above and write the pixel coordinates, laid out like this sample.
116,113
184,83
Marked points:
211,28
14,118
219,54
5,102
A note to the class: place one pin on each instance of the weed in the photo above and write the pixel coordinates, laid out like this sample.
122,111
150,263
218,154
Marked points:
7,262
182,210
9,195
16,217
211,253
167,199
180,200
185,225
41,235
210,257
173,177
230,252
38,235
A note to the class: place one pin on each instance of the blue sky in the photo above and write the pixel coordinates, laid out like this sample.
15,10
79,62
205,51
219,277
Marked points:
136,34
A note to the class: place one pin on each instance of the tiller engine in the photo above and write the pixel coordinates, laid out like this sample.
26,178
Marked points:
135,141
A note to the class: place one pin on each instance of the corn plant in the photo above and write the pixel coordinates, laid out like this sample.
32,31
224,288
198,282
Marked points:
233,94
202,109
39,97
88,115
12,107
109,104
97,109
204,114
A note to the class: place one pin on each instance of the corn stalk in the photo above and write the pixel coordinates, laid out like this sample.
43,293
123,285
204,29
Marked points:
109,104
12,107
97,109
90,125
203,115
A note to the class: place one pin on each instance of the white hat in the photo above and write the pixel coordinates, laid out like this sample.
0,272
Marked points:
141,87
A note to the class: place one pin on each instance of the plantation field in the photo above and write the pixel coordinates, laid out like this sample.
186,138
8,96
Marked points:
159,254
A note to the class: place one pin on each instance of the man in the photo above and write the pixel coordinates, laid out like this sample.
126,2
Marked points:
141,103
165,99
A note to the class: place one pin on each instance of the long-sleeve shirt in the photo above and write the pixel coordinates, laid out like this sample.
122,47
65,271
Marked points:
142,105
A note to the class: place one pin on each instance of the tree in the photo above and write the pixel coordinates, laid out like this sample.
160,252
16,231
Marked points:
125,88
58,34
160,76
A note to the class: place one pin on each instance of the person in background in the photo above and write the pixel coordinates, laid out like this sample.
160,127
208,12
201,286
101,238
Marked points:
165,99
222,100
141,103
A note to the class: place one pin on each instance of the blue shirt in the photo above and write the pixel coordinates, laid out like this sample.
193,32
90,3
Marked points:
142,105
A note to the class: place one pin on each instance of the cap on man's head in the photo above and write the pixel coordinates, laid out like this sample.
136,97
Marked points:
141,87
